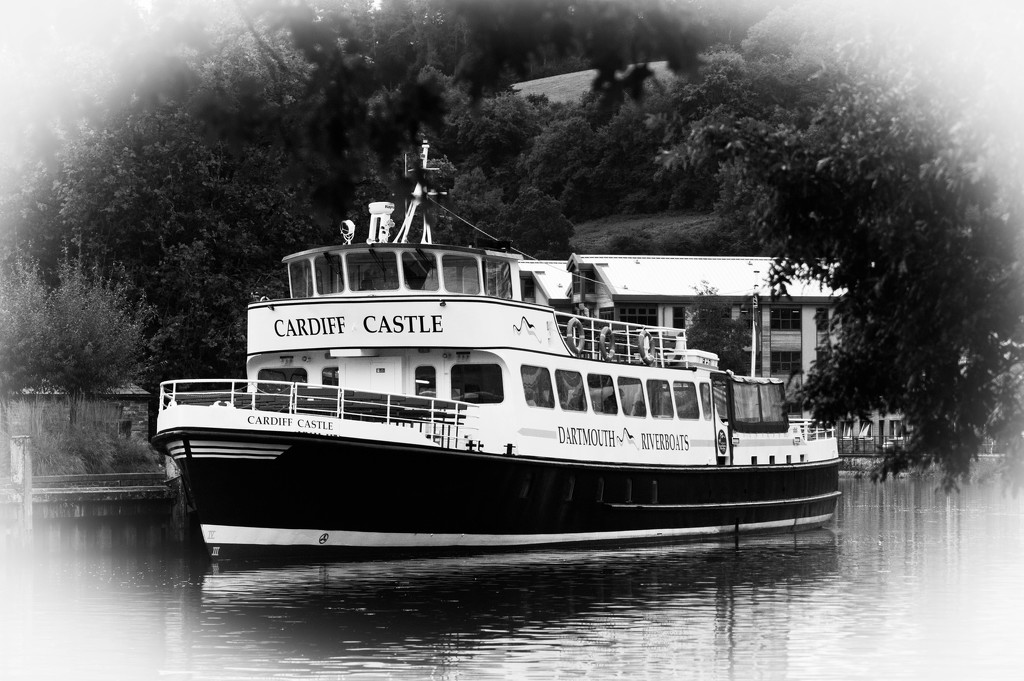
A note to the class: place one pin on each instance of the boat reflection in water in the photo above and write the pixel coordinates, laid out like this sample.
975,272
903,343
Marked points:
527,614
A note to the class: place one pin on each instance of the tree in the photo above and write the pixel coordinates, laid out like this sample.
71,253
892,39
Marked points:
536,226
891,197
83,337
712,328
23,311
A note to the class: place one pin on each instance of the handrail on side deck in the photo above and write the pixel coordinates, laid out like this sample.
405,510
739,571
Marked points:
438,418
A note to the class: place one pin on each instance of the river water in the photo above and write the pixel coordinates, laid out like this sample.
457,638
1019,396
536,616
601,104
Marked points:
907,583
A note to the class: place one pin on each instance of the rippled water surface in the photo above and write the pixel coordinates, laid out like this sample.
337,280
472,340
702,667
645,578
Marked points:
907,582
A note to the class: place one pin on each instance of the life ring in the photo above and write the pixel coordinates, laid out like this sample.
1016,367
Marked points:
574,336
607,344
646,354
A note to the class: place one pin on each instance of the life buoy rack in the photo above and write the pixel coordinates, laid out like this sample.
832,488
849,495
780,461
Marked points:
606,344
645,350
574,336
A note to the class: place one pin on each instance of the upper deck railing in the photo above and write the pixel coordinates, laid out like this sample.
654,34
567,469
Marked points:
443,421
812,430
626,343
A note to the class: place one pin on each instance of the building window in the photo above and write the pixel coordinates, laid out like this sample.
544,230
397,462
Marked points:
606,313
821,325
785,318
589,283
648,316
678,317
529,290
785,362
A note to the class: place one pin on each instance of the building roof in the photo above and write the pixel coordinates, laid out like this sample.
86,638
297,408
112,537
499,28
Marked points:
674,276
551,276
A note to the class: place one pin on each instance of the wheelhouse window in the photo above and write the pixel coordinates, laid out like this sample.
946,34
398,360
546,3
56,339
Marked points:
426,381
372,271
602,394
759,407
300,276
461,274
477,383
631,394
329,276
420,271
686,399
660,398
498,278
571,396
537,386
678,317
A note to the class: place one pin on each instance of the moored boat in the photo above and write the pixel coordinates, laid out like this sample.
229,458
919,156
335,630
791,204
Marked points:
405,398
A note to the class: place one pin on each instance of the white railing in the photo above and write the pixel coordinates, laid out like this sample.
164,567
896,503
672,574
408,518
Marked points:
443,421
812,430
627,343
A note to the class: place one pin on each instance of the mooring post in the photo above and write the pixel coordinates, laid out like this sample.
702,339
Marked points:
21,472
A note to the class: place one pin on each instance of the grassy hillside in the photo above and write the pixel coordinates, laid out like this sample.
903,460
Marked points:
569,87
659,232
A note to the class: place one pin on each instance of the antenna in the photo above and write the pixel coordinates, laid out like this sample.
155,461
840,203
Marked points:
417,198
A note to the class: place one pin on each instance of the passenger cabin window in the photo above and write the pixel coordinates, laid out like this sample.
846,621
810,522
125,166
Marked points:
329,277
329,376
660,398
477,383
419,269
372,271
705,400
631,394
498,278
686,399
537,387
285,374
426,381
571,396
602,394
461,274
300,276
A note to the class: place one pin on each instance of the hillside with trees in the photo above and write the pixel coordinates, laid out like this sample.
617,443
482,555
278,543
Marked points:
186,146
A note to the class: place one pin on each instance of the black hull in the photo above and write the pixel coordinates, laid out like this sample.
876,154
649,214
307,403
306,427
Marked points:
337,498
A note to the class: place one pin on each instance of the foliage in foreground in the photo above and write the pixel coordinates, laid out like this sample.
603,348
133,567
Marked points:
891,197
